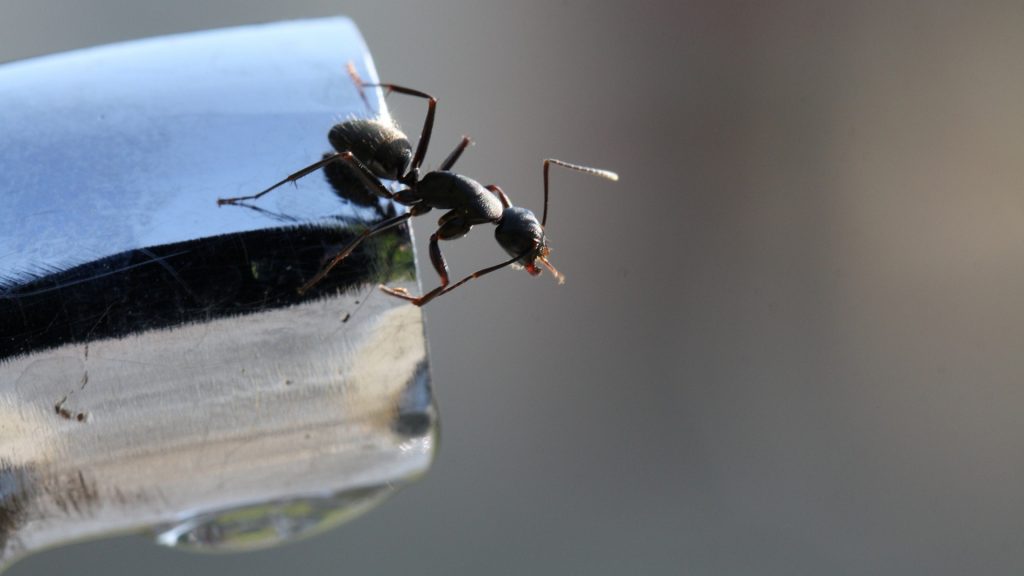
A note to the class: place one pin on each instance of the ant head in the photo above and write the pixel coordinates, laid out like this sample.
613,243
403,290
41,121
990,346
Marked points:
519,232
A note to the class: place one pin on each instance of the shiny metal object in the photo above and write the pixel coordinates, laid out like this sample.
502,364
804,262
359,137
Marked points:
158,369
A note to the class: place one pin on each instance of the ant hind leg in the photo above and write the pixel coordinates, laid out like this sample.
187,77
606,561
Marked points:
362,172
428,122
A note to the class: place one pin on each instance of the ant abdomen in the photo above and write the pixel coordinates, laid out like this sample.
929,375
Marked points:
381,147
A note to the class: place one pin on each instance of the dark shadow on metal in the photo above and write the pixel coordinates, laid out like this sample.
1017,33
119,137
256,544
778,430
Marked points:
190,282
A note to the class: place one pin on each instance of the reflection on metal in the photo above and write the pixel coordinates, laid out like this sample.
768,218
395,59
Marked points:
158,369
269,524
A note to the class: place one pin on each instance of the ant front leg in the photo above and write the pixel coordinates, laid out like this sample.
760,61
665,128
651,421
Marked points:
452,226
403,294
364,174
440,266
437,260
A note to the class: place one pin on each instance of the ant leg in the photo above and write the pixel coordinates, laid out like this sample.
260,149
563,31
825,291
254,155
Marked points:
454,156
347,250
368,178
505,202
400,293
358,81
437,259
428,123
362,171
453,226
586,170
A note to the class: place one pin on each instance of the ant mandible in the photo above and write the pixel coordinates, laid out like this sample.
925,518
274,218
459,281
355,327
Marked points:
377,150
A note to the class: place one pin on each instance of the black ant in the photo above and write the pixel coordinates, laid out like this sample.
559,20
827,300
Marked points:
378,150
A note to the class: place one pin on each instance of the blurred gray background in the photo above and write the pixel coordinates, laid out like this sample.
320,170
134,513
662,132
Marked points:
790,341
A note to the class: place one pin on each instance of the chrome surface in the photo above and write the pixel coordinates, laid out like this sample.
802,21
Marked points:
158,369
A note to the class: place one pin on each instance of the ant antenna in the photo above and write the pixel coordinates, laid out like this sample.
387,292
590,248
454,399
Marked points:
607,174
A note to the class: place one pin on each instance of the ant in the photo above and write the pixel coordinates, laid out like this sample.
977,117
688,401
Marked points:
378,150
